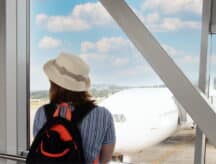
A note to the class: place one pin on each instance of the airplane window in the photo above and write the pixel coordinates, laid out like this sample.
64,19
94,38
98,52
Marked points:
151,126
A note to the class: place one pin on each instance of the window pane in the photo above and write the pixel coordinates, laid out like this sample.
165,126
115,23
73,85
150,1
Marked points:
177,27
84,27
210,149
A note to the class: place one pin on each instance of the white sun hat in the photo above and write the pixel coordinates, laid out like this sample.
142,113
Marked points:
68,71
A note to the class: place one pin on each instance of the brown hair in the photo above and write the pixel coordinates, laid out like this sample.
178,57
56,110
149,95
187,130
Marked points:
58,94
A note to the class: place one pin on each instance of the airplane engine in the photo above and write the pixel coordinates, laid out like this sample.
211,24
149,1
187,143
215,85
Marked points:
143,117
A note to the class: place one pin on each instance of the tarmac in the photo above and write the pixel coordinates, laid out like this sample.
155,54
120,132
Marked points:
177,149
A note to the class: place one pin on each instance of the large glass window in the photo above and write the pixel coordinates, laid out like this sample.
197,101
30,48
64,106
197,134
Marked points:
163,130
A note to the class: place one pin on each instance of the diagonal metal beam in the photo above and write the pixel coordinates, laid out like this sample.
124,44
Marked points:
189,97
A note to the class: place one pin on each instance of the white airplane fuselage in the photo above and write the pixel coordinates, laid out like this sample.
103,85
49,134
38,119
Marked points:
143,117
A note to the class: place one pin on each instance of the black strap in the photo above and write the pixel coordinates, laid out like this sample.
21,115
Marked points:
49,109
77,115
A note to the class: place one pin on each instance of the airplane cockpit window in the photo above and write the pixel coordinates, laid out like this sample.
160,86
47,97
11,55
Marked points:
151,126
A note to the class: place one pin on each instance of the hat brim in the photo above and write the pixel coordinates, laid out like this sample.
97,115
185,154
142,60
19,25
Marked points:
63,80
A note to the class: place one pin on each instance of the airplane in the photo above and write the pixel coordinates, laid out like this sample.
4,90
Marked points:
144,117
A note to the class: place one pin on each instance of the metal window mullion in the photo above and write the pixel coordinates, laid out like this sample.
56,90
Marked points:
13,99
2,78
200,142
213,18
22,62
28,56
11,74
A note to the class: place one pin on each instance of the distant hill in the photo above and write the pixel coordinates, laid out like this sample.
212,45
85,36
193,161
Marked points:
39,95
98,91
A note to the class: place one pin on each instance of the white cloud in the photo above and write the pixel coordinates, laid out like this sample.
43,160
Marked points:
94,13
188,59
152,18
66,23
173,6
106,45
162,24
105,50
93,57
113,43
181,57
82,17
88,15
170,50
101,55
49,42
160,19
118,62
115,53
86,46
172,24
187,62
41,19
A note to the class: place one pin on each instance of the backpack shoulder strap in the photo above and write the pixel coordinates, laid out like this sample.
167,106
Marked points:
49,109
80,113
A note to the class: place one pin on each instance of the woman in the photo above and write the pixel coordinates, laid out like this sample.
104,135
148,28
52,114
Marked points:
69,78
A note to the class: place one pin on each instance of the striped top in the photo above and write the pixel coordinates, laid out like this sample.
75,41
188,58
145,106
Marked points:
96,129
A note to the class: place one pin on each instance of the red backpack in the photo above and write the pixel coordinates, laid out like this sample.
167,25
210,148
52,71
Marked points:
59,141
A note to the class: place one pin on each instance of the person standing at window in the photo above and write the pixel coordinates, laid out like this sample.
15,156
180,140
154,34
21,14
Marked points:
69,82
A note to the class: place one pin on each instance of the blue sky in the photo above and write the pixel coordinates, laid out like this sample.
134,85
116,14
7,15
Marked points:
85,28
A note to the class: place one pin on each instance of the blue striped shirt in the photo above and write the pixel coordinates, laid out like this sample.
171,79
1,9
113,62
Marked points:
96,129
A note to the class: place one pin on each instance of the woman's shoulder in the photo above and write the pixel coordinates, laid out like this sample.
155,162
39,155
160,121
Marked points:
40,111
100,110
97,110
43,107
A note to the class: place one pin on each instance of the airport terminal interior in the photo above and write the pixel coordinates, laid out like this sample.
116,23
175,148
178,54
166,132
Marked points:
152,65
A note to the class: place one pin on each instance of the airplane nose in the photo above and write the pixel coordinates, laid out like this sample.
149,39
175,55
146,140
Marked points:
143,117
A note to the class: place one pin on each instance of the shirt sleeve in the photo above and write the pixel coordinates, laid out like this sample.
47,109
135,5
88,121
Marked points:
110,136
39,120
